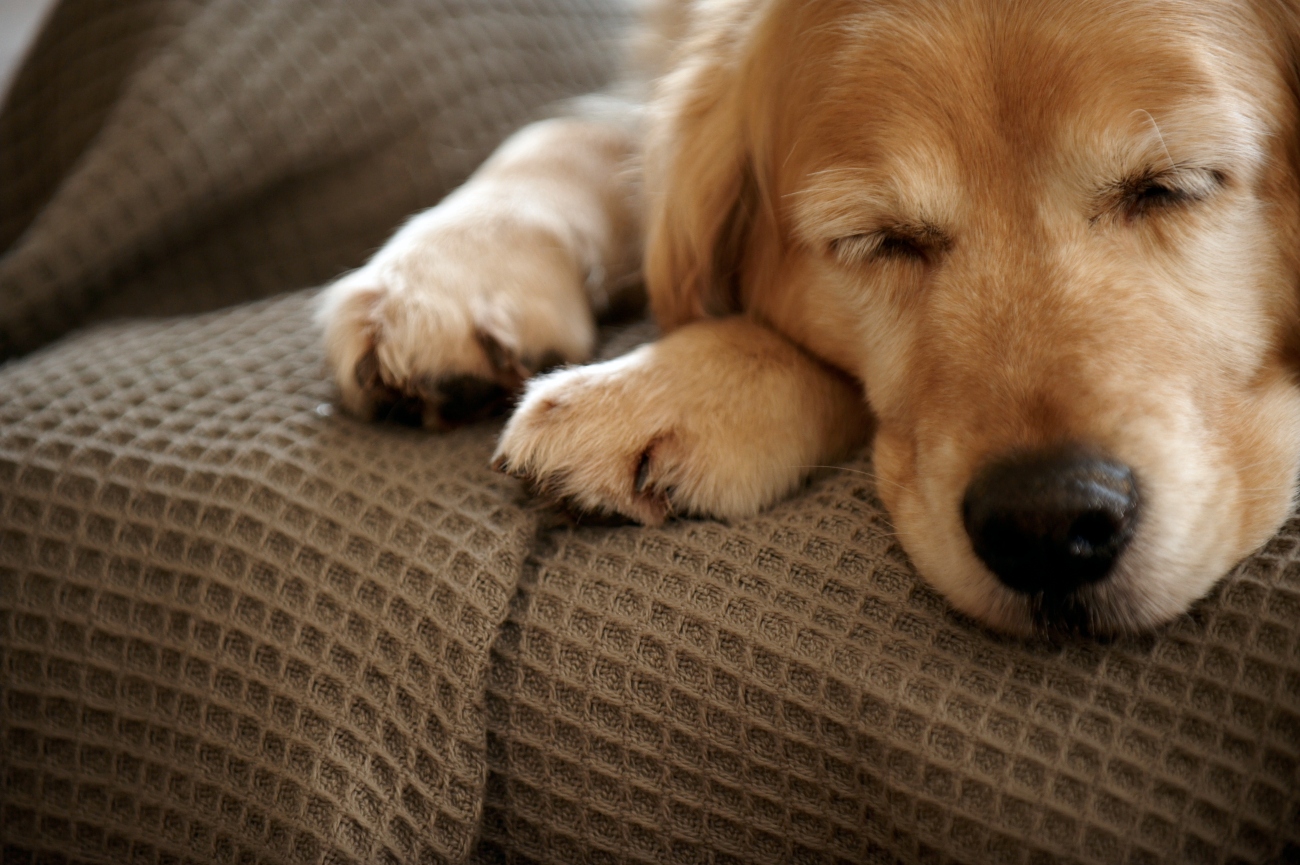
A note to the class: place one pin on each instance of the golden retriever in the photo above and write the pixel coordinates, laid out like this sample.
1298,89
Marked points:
1044,250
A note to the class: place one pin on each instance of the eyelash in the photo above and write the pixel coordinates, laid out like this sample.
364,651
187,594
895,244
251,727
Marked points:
1137,198
885,245
891,245
1146,194
1153,195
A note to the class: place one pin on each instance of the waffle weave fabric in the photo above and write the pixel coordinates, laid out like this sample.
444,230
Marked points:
233,626
173,155
237,627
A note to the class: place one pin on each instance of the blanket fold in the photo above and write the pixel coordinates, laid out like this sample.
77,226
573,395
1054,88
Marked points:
235,624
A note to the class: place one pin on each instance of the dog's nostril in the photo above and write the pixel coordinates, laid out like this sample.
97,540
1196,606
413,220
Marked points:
1051,522
1093,531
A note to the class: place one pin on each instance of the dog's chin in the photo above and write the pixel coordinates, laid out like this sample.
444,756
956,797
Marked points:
1109,608
1143,592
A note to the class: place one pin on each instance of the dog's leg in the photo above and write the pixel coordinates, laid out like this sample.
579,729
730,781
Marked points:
501,279
719,418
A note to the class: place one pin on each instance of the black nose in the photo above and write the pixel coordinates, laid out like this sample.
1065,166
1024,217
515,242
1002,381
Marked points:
1051,522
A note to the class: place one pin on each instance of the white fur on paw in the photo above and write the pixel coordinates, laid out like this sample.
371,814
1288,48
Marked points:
690,425
452,315
575,437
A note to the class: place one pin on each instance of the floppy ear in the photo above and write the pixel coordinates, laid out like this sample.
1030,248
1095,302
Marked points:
1282,18
700,186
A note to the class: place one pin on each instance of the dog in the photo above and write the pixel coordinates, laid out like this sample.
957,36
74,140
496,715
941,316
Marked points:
1041,253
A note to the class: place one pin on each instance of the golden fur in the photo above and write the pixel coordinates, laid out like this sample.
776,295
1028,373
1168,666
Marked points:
1009,224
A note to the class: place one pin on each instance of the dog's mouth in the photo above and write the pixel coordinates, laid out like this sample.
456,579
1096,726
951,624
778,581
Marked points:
1052,525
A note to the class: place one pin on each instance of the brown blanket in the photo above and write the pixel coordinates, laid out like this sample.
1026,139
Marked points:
236,627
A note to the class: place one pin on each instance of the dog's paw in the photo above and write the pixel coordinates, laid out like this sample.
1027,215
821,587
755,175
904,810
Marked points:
718,419
447,321
587,436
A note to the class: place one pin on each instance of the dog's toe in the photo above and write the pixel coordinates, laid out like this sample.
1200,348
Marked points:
577,441
398,359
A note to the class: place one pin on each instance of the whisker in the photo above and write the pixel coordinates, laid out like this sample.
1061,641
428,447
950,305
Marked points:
1159,135
874,477
838,469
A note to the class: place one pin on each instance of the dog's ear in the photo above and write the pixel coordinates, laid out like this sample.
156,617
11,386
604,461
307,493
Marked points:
1282,20
700,187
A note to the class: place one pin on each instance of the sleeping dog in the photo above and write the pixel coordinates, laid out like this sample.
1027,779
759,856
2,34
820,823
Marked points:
1042,254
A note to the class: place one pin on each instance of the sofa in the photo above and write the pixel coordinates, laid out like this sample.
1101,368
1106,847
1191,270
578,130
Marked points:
237,626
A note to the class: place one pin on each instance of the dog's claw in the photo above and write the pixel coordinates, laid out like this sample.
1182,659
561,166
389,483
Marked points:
643,471
503,465
504,361
367,371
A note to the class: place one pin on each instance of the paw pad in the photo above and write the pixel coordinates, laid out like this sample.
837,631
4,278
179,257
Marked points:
434,402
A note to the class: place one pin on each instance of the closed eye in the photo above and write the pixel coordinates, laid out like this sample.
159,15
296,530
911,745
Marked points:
1149,192
900,243
1149,195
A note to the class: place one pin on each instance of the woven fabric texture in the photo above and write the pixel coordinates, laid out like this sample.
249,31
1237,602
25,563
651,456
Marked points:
786,690
174,155
237,627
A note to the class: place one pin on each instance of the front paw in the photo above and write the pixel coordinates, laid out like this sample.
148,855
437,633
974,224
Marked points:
720,418
446,323
584,436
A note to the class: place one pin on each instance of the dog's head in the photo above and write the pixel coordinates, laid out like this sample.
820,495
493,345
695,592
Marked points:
1057,242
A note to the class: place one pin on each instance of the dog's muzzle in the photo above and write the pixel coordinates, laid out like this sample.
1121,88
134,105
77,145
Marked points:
1047,523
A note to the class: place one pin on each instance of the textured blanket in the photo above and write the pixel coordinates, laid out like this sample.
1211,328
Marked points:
237,627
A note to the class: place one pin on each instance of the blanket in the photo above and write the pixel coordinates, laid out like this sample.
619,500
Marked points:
236,626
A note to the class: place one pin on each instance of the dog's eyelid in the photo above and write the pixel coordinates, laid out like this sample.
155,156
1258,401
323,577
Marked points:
1188,179
853,247
905,241
1150,189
